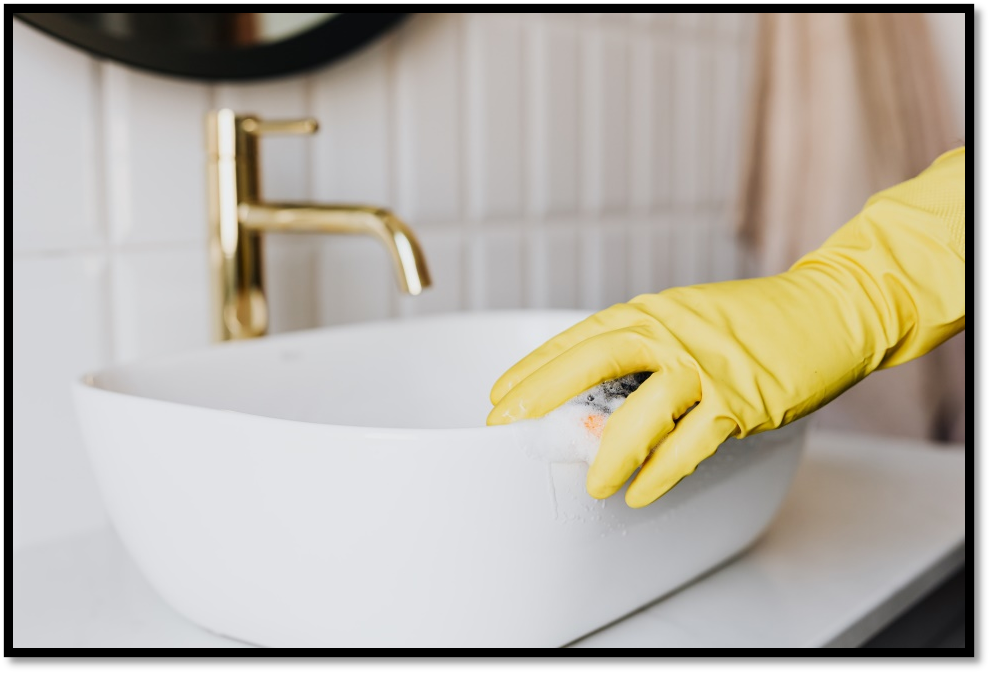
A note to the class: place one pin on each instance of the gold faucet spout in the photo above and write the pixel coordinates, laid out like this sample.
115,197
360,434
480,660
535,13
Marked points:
404,248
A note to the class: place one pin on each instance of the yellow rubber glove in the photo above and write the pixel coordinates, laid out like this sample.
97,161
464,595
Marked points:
756,354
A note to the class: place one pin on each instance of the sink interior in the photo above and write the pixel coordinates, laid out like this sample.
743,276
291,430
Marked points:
430,373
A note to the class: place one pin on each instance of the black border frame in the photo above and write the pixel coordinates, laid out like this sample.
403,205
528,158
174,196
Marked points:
328,41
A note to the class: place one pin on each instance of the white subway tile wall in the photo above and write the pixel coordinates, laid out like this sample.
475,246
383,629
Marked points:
552,118
351,153
493,90
61,327
428,106
161,301
553,259
155,173
355,281
544,160
496,268
57,144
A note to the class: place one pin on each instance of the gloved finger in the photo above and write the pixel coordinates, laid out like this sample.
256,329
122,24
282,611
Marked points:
695,437
608,320
643,420
589,363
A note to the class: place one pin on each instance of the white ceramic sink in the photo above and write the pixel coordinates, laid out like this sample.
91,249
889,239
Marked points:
338,487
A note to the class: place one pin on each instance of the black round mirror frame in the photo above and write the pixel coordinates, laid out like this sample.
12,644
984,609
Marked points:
326,42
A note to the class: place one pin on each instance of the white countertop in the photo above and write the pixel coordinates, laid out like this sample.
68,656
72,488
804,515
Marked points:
869,526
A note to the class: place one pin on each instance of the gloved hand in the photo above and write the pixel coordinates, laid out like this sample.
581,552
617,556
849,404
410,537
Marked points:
757,354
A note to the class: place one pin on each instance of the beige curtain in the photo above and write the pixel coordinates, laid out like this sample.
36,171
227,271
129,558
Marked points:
845,105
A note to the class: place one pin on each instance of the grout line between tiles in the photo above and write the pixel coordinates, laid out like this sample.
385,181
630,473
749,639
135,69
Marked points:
464,110
101,206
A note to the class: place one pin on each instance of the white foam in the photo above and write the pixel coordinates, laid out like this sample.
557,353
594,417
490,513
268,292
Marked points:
562,436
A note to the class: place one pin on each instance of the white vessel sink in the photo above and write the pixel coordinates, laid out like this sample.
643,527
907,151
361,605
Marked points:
338,487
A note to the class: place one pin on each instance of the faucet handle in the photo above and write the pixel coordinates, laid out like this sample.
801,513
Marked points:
285,126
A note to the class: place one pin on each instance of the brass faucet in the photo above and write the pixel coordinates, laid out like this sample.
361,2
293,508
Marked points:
239,217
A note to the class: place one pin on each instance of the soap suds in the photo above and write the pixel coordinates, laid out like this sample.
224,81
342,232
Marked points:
572,432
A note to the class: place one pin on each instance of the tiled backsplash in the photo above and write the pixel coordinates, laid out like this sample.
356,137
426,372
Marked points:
545,160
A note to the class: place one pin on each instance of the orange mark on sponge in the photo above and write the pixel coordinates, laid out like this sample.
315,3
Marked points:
594,423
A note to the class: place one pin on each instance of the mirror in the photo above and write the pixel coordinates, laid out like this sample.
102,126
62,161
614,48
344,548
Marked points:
219,45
